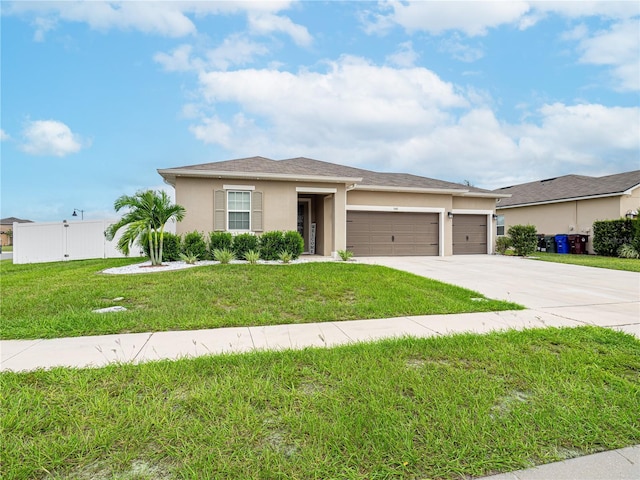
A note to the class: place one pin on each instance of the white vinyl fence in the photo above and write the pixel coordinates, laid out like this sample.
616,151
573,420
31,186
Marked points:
61,241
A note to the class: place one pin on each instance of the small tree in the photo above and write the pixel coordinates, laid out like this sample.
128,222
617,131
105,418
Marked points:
148,212
523,239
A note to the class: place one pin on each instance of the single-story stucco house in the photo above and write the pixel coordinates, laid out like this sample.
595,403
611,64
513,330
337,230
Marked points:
6,229
569,204
336,207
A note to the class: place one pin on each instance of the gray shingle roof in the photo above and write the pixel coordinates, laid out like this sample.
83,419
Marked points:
567,187
12,220
307,166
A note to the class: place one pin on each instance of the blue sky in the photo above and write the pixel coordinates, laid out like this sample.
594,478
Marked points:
96,96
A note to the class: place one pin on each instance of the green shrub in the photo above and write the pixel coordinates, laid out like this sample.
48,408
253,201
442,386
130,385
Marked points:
610,235
223,255
293,243
171,246
271,244
195,244
219,241
345,255
243,243
252,256
502,245
523,239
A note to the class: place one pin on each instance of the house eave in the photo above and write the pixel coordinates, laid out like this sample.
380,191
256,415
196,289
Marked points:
486,195
563,200
170,176
382,188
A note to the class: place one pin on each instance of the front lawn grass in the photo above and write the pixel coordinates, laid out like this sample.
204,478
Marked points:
447,408
613,263
56,299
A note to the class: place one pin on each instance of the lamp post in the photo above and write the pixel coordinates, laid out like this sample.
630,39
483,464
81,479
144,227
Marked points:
75,213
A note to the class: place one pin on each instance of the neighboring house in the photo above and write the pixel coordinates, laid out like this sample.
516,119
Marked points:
569,204
6,229
336,207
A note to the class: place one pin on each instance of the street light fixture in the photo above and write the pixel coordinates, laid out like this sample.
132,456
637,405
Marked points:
75,213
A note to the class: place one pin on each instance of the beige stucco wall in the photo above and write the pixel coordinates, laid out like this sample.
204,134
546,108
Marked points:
575,217
280,204
329,211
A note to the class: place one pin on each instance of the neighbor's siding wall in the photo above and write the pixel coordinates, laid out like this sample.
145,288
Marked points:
630,202
575,217
61,241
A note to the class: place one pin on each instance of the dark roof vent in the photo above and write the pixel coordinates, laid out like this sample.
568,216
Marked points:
548,180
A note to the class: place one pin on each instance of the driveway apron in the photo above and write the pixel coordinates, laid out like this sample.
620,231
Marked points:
596,296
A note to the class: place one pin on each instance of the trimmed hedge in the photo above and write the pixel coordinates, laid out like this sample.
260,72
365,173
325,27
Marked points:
243,243
610,235
195,244
524,239
219,241
271,244
293,243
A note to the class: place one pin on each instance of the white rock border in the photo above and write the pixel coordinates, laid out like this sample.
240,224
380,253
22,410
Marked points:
145,267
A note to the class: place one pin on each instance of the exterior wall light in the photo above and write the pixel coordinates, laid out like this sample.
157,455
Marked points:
450,214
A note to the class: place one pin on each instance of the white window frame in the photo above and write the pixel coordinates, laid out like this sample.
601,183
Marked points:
229,210
498,218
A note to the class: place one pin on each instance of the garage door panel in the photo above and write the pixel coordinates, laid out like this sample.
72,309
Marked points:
469,234
392,233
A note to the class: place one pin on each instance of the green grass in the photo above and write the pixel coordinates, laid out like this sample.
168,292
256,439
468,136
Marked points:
7,248
613,263
56,299
446,408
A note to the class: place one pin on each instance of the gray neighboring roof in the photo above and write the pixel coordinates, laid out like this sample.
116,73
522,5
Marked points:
568,187
309,169
12,220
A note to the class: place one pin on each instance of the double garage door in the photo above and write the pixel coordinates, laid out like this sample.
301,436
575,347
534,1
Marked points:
372,234
392,233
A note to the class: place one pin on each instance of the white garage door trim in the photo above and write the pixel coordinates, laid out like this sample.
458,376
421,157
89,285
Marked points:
380,208
489,214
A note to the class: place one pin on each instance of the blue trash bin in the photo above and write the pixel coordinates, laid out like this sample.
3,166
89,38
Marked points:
562,243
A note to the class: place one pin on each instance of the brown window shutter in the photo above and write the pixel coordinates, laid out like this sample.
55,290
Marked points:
219,210
256,211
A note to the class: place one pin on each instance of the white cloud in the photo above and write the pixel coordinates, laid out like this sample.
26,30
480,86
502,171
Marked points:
475,18
170,19
617,47
50,137
179,60
235,50
4,135
408,119
460,50
265,23
472,18
405,56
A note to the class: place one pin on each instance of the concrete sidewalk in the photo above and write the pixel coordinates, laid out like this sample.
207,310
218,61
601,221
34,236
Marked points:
100,350
622,464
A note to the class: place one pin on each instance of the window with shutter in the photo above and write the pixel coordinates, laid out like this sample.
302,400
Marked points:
219,211
256,211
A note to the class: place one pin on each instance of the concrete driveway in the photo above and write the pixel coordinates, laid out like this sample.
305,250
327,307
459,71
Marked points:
591,295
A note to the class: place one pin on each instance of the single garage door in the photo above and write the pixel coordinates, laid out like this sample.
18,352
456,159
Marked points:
392,233
469,234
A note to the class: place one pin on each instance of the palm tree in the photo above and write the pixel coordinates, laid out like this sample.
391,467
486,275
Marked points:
148,212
